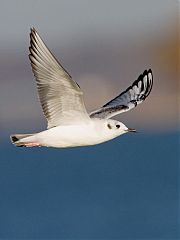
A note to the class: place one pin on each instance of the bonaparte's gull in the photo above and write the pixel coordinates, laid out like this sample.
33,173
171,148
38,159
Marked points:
68,123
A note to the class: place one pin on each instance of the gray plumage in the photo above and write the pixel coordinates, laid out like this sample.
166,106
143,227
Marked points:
130,98
61,97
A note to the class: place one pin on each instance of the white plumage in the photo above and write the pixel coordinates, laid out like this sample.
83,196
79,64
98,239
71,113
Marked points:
68,122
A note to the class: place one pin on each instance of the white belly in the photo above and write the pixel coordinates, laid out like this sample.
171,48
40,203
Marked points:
71,136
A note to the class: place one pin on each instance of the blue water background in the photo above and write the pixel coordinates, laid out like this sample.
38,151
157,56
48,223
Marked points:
123,189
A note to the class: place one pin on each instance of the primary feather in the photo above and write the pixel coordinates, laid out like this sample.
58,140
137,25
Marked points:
130,98
61,97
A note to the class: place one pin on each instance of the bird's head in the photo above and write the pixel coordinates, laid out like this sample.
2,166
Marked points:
117,128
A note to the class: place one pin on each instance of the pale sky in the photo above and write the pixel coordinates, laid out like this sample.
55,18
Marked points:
104,45
65,19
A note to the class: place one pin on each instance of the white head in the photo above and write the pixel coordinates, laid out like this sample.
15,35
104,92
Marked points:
116,128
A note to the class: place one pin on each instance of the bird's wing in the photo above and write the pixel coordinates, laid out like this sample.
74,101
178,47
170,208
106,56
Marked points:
130,98
61,97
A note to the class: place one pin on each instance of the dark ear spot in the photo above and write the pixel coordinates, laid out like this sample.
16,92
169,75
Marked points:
109,126
118,126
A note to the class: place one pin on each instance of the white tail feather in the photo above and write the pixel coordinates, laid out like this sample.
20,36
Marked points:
24,140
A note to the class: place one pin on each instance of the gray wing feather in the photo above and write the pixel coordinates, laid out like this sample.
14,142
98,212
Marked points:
61,97
129,99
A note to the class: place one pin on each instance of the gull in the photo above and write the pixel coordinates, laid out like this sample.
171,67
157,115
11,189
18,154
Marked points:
68,122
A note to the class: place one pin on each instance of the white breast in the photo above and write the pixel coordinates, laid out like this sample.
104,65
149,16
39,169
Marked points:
75,135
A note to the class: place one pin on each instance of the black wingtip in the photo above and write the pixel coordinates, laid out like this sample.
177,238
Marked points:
150,81
146,72
32,29
149,71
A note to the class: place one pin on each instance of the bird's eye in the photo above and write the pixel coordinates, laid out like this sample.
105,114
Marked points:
109,126
118,126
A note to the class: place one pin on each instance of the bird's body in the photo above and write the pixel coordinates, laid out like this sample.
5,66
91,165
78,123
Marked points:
68,123
81,134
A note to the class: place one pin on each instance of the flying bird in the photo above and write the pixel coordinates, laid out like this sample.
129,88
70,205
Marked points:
68,122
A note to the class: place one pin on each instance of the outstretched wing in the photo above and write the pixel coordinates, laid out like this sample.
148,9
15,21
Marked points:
61,97
130,98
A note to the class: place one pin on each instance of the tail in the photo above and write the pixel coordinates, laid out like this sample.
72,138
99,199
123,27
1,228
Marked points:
24,140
